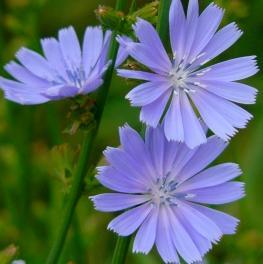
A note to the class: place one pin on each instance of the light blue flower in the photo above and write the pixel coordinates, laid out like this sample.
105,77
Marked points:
66,70
162,185
182,84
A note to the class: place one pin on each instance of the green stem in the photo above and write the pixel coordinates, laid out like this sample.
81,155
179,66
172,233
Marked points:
122,245
85,155
163,19
121,250
133,6
72,199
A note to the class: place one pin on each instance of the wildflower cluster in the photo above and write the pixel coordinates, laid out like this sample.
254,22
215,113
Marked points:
160,179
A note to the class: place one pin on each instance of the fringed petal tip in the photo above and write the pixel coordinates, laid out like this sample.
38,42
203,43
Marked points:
124,128
92,198
108,150
66,30
101,169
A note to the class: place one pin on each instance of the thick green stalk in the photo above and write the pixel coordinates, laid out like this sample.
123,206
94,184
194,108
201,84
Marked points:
85,156
121,250
122,246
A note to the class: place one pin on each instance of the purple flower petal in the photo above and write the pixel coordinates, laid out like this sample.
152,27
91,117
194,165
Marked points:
170,155
132,143
234,116
201,223
70,48
23,75
35,63
232,91
148,92
122,53
21,93
184,244
173,121
177,28
126,164
145,237
147,34
146,56
231,70
164,239
152,113
155,141
126,223
53,54
220,42
191,27
184,154
120,181
202,243
60,91
211,177
225,222
181,123
212,117
111,202
201,157
140,75
193,131
220,194
208,23
102,62
92,85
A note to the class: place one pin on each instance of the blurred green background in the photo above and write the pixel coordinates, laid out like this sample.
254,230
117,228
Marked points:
36,157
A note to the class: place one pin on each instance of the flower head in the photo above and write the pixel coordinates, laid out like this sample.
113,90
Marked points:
66,70
179,81
162,185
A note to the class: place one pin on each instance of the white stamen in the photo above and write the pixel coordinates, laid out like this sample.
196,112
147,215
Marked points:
178,78
203,72
200,84
190,195
201,55
197,57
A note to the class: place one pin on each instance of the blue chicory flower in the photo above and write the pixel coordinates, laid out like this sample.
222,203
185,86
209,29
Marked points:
66,70
162,185
179,85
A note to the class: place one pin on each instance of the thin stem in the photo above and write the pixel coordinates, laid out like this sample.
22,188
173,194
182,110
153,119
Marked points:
85,155
72,199
122,245
121,250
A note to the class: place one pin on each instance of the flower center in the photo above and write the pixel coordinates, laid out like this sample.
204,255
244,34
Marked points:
77,77
178,77
164,191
